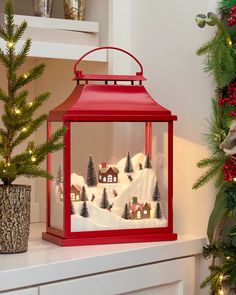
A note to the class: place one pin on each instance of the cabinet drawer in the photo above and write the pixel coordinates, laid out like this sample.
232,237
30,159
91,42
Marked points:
175,277
31,291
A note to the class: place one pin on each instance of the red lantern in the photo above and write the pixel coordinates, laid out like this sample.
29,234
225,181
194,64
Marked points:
127,204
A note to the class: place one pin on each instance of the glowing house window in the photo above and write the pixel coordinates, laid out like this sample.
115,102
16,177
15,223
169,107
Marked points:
114,178
100,176
109,178
72,195
138,215
104,179
145,212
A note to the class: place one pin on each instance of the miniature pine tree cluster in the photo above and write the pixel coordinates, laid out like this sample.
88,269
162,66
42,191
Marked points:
156,194
128,165
148,162
59,178
18,118
126,212
84,211
83,196
104,202
158,212
72,209
91,173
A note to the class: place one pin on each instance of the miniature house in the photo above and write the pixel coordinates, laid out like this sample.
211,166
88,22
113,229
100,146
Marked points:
75,193
108,174
111,99
139,210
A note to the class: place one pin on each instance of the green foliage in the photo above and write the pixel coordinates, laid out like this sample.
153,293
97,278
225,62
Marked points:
220,53
19,120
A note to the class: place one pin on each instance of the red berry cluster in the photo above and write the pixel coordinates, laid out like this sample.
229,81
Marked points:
232,19
229,169
231,99
232,114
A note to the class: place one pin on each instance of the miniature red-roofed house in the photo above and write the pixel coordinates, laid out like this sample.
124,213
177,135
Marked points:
107,174
75,193
139,210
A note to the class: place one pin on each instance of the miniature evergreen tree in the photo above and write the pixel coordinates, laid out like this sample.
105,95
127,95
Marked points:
126,212
158,213
156,194
72,209
83,196
148,162
140,166
91,173
104,203
84,211
130,178
128,165
18,118
59,178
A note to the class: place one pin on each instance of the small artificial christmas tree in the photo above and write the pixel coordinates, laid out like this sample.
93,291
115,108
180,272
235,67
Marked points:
126,212
18,118
156,194
83,196
148,162
72,209
84,210
104,203
91,173
158,212
128,165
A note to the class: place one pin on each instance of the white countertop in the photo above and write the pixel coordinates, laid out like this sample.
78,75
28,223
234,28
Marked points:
46,262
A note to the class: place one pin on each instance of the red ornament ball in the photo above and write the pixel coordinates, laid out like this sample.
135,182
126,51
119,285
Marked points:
229,170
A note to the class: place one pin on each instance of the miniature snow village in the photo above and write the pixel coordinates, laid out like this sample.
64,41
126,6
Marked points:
123,195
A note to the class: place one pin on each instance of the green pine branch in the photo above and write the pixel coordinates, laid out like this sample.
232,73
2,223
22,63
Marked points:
18,118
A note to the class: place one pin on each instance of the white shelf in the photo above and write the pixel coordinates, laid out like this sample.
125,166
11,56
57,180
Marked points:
57,23
59,38
46,262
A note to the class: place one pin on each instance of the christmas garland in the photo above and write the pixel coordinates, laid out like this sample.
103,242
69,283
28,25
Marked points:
220,53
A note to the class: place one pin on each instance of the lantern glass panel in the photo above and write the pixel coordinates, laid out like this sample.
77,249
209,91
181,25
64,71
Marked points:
116,184
56,185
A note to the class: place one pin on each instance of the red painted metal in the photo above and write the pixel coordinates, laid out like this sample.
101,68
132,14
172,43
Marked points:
109,103
109,240
170,176
105,48
49,169
67,175
99,103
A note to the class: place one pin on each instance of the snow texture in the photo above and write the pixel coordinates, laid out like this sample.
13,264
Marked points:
142,187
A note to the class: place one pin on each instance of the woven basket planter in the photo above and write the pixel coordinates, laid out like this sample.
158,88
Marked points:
14,218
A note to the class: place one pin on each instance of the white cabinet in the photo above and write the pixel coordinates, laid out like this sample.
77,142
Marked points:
31,291
175,277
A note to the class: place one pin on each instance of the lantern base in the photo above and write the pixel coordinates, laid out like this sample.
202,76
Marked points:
108,240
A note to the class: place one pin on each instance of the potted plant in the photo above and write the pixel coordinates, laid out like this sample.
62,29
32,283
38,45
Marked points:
19,122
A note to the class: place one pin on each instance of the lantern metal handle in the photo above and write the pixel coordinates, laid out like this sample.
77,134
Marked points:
109,47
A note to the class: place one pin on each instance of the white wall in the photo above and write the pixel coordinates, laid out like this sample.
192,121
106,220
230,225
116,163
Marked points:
165,38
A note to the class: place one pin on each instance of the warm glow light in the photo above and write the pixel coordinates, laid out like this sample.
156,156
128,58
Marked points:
30,103
221,277
30,152
4,171
10,44
234,178
221,292
8,164
17,111
228,257
33,159
24,129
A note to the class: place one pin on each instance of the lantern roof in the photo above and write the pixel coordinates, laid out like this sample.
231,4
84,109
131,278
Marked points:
114,103
90,102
